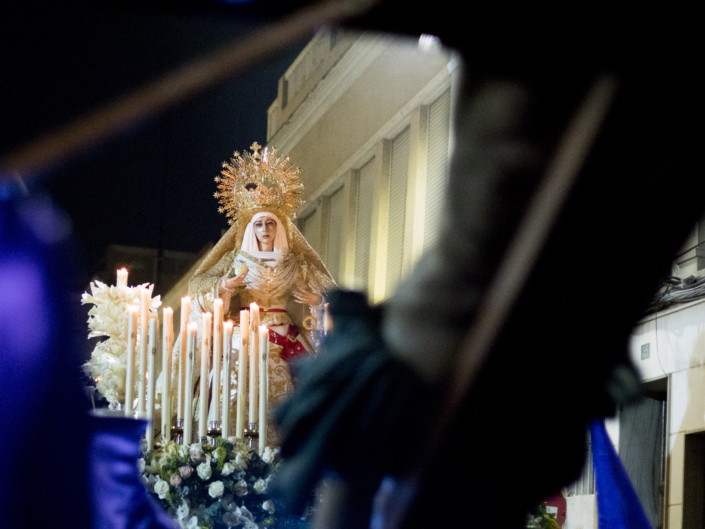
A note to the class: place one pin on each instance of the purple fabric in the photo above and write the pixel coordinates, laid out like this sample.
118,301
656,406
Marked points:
618,506
58,467
43,424
119,499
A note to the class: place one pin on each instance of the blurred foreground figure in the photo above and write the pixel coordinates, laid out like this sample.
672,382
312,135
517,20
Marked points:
370,407
60,467
44,415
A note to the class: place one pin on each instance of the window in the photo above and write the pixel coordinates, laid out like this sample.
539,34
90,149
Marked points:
334,233
398,178
311,230
437,166
363,225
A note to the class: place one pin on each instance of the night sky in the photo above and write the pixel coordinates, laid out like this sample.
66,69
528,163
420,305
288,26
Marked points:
153,186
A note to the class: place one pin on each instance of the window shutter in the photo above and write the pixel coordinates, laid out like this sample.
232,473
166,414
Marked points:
311,230
437,166
398,178
363,225
334,234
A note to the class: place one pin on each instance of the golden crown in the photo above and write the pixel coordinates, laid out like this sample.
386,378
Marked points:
256,181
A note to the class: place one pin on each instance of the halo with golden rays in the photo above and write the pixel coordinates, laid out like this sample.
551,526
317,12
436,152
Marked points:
259,180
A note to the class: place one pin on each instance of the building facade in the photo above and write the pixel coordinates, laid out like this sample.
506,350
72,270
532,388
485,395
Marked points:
367,119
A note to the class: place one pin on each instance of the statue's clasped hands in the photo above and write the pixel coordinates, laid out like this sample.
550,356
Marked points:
301,295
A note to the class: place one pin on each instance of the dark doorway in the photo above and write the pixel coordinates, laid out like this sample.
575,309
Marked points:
694,482
642,443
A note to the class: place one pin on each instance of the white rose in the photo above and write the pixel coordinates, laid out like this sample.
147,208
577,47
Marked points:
230,519
141,465
196,452
268,506
182,510
228,468
149,481
260,486
161,488
268,455
215,489
228,502
204,470
246,514
240,462
241,487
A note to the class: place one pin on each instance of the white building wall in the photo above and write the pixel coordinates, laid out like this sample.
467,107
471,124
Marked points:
672,344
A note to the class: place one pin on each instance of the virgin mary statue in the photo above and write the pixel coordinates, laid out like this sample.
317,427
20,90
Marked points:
262,258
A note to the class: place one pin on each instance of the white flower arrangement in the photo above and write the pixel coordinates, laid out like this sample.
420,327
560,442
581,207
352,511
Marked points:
215,487
108,363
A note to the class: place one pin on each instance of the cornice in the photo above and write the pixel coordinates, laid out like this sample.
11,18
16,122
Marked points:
328,90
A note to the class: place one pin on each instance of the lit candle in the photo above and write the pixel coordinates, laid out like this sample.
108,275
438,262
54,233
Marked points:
144,324
227,344
129,376
167,347
254,349
183,331
192,329
207,320
122,277
263,386
217,348
242,372
151,381
327,320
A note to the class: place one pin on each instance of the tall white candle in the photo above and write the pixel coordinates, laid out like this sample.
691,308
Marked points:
242,372
183,330
151,381
122,277
144,324
207,319
167,347
129,375
263,385
192,329
254,349
217,351
227,344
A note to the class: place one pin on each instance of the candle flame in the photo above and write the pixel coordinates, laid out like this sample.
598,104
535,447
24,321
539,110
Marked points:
134,308
167,310
217,301
193,327
186,299
228,324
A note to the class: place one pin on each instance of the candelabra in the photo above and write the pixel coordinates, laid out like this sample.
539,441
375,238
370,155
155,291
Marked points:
252,436
177,432
214,431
